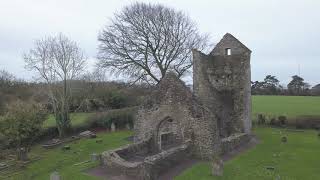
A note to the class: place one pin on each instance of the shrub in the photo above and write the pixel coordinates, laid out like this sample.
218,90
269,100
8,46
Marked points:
307,122
261,119
284,139
273,121
282,120
21,125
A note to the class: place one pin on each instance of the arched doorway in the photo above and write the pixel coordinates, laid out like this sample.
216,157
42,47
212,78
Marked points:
168,134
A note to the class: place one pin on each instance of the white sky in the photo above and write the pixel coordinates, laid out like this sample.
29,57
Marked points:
281,33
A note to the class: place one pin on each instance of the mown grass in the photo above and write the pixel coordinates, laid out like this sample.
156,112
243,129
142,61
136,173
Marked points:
64,161
295,160
290,106
76,119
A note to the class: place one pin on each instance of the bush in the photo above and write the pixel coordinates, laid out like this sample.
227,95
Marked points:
307,122
282,120
48,133
261,119
120,117
273,121
22,124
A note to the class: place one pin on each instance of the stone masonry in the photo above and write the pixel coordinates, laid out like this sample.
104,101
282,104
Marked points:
175,123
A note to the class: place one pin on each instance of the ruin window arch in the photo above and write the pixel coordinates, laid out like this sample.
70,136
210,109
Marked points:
228,51
168,133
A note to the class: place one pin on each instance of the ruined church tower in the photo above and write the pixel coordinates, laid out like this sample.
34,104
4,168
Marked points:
221,80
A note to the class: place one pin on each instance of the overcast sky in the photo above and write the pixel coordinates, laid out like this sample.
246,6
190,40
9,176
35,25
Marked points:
281,33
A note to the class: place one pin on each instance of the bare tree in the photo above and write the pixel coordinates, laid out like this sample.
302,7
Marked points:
58,61
145,41
6,78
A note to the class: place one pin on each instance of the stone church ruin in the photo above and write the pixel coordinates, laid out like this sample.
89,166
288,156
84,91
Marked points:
176,123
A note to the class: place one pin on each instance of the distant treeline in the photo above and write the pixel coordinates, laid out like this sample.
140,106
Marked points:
296,87
92,96
87,96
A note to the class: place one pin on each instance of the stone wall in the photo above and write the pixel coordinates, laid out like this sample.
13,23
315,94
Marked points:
213,119
173,100
150,166
235,140
222,83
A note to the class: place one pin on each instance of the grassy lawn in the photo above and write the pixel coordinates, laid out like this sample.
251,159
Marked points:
63,161
76,119
297,159
290,106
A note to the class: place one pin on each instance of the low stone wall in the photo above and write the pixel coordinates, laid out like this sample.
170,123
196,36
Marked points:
118,159
235,140
150,167
165,160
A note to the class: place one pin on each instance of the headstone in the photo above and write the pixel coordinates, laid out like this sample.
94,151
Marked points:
95,157
66,147
217,167
87,134
53,141
22,154
128,126
99,141
93,135
270,168
55,176
113,127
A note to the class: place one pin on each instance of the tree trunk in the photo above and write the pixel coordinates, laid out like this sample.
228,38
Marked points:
63,123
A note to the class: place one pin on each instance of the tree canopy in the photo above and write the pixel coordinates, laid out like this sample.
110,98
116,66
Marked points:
145,41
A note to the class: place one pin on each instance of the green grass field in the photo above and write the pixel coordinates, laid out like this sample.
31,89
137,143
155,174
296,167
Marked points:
296,160
76,119
290,106
64,161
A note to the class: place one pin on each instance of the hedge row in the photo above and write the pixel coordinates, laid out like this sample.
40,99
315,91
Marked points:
300,122
120,117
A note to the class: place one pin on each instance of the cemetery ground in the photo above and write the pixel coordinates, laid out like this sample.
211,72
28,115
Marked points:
271,159
71,164
296,159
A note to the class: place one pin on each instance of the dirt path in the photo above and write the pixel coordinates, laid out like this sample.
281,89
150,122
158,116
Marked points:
173,172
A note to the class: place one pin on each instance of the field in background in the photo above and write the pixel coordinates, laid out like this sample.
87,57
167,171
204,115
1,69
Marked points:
297,159
290,106
76,119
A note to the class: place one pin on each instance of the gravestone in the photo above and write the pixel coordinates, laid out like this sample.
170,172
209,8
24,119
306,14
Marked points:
113,127
65,148
55,176
95,157
87,134
22,154
99,141
128,126
217,167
